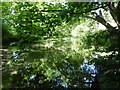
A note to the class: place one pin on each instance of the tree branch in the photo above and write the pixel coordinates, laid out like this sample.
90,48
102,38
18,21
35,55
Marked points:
112,10
112,30
89,10
71,12
100,20
115,12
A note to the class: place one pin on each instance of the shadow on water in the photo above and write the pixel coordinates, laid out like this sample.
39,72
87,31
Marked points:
47,67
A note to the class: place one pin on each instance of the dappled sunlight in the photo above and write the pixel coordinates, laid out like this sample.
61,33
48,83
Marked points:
60,45
79,30
104,53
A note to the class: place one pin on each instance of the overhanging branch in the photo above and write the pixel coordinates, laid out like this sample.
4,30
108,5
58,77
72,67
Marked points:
115,12
69,11
100,20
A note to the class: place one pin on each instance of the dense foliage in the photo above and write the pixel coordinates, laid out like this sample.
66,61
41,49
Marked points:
51,41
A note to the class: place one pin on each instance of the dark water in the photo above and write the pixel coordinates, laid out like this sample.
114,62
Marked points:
53,64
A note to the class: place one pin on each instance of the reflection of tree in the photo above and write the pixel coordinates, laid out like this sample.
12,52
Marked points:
48,67
29,23
107,63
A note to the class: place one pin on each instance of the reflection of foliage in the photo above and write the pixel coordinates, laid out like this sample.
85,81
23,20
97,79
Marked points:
23,78
54,69
53,65
108,64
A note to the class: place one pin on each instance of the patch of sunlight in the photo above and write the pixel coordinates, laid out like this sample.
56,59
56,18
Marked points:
9,62
100,26
49,44
105,54
14,72
79,30
82,28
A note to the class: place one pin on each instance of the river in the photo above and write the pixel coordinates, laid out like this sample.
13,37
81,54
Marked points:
54,63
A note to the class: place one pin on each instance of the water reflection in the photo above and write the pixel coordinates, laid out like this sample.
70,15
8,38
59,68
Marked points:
56,66
91,70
